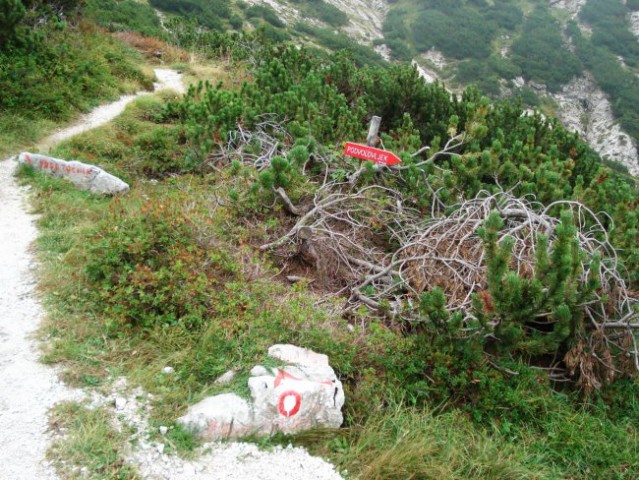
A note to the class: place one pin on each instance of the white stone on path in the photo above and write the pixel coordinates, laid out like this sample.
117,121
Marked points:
303,394
82,175
120,403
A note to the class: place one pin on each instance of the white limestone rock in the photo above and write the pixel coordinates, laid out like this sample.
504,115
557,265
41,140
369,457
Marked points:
226,378
120,403
258,371
303,394
221,416
586,109
84,176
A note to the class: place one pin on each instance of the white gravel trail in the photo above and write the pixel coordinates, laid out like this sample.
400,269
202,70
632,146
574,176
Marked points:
166,79
28,389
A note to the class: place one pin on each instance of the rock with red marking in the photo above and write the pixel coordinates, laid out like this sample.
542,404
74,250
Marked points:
302,394
84,176
222,416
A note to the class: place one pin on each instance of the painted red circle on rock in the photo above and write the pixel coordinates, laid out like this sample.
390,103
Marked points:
286,399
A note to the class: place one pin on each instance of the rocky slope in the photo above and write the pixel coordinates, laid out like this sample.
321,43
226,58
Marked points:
572,6
366,16
585,109
634,23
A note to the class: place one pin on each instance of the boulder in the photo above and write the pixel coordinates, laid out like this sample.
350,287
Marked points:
222,416
302,394
84,176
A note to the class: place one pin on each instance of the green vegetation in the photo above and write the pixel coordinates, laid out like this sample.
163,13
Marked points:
124,15
169,275
396,34
413,443
461,29
266,13
486,73
470,31
173,273
538,434
336,42
11,13
212,14
51,71
89,441
541,45
609,19
474,32
323,11
442,29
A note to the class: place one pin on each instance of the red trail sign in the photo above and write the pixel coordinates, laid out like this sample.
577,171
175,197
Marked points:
369,153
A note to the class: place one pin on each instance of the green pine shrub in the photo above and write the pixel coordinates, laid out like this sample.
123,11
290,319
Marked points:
11,14
557,288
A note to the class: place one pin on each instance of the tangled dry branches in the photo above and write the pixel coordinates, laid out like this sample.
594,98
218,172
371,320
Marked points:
369,243
256,146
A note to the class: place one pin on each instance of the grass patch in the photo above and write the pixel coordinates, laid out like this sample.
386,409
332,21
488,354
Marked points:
124,15
407,443
16,131
90,447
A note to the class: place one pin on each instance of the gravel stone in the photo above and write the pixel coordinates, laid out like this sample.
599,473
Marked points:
120,403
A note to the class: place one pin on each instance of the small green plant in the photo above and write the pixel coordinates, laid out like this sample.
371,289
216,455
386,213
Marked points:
90,442
11,13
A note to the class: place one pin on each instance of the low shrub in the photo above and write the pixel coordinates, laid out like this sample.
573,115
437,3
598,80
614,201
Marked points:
151,271
72,70
124,15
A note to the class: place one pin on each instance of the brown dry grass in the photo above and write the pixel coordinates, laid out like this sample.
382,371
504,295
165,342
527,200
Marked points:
152,48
